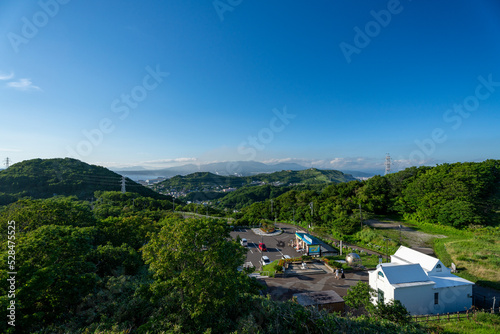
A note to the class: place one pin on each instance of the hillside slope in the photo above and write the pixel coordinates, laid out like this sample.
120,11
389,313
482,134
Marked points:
205,181
44,178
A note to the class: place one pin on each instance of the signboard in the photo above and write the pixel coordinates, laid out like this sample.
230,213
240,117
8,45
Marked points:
314,249
306,238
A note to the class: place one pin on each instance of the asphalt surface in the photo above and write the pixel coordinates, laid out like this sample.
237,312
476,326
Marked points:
284,288
274,251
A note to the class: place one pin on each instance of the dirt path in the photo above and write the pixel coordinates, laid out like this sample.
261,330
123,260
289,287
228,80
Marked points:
415,239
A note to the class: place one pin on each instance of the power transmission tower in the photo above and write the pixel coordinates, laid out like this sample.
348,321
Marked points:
387,164
7,162
124,190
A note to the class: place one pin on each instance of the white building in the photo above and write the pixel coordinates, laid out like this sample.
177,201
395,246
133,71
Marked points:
422,283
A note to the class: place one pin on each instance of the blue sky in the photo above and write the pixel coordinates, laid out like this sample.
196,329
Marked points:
331,83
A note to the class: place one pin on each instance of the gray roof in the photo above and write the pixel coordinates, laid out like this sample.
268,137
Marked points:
403,273
318,298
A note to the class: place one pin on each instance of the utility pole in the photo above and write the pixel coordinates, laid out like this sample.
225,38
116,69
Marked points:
124,190
312,214
360,216
387,249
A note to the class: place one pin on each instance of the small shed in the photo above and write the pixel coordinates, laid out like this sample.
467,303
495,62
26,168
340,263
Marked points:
311,245
324,300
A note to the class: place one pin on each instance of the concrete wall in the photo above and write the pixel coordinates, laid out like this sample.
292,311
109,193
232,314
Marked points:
419,300
416,299
376,282
445,271
454,299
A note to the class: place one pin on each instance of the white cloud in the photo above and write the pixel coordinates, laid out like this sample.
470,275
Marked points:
23,84
4,76
168,161
9,150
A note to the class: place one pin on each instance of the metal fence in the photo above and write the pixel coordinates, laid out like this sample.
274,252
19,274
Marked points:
453,316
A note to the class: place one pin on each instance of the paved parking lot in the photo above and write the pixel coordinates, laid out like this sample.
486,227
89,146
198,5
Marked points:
274,251
284,288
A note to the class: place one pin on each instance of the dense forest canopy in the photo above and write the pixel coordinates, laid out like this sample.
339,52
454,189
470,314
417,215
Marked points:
127,264
458,195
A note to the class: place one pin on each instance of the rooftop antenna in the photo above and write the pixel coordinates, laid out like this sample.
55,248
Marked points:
387,164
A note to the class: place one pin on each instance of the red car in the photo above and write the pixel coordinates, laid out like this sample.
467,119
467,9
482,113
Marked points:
262,247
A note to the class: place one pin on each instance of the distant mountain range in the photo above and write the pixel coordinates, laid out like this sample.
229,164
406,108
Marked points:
234,168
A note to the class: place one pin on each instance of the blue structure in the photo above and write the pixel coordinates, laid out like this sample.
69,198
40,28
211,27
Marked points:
312,245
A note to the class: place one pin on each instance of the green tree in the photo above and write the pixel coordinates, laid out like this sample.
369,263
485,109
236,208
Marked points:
458,213
359,296
393,311
30,214
54,274
194,263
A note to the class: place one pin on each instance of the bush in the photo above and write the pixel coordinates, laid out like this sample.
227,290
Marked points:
393,311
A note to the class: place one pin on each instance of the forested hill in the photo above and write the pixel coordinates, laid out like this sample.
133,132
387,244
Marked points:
44,178
208,181
458,195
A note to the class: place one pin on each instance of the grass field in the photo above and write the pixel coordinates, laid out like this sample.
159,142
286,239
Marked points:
475,252
480,323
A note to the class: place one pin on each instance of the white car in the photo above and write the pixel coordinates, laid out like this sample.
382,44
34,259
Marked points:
244,242
286,257
265,261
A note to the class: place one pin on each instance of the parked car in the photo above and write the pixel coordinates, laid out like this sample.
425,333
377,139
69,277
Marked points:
286,257
244,242
262,247
265,261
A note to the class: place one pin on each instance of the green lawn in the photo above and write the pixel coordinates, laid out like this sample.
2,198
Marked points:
481,323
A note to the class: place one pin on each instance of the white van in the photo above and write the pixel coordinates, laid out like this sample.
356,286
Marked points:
244,242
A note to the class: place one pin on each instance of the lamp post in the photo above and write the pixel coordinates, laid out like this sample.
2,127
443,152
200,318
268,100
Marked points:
387,249
400,227
360,216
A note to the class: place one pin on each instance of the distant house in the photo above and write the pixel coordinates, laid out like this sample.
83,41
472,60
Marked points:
422,283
